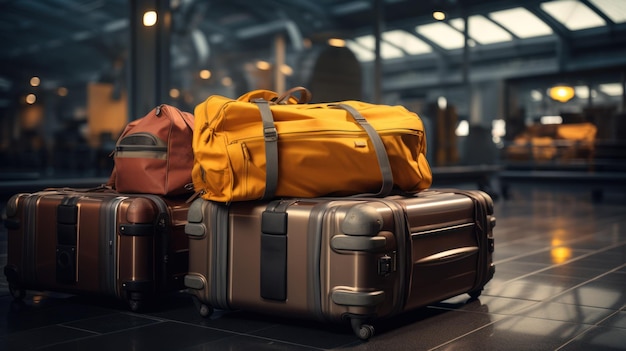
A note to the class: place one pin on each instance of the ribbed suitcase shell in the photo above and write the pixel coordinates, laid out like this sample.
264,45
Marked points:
132,247
336,258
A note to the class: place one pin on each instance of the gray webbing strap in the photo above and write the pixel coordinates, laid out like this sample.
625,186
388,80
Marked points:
379,148
271,148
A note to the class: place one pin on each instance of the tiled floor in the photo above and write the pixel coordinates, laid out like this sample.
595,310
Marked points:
560,284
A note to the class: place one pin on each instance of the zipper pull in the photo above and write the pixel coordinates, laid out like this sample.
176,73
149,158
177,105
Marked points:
246,153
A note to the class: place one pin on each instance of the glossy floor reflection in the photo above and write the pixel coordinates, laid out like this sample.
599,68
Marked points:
560,284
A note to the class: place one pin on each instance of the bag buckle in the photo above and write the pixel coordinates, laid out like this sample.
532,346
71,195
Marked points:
270,134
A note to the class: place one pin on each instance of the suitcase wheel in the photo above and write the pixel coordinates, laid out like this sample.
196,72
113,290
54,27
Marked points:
17,291
475,294
205,310
361,330
135,305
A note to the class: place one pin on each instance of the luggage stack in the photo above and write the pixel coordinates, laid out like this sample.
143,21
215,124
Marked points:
125,239
325,244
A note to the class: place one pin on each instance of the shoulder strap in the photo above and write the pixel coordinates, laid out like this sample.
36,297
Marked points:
379,148
271,148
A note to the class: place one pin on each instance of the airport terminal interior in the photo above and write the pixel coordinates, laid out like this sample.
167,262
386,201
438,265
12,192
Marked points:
524,100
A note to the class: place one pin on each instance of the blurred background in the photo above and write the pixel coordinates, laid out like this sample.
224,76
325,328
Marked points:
523,85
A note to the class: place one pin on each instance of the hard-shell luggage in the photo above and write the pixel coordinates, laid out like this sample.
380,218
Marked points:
262,146
132,247
333,259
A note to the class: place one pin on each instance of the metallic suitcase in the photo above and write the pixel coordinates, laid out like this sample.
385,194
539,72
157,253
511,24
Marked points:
132,247
333,259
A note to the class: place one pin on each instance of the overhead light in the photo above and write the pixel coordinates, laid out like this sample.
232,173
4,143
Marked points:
62,91
31,98
174,93
439,15
561,93
462,129
336,42
35,81
286,70
442,102
227,81
263,65
551,120
205,74
149,18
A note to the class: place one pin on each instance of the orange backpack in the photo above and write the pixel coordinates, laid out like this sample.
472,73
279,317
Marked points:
263,146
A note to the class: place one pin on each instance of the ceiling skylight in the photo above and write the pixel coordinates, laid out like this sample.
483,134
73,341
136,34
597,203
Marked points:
573,14
611,89
521,22
387,51
482,30
408,42
362,54
442,35
613,9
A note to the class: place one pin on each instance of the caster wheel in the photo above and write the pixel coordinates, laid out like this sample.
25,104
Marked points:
365,332
475,294
16,291
361,330
135,305
205,310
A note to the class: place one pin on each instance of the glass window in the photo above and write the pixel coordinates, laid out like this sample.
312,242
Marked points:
521,22
408,42
613,9
482,30
573,14
442,35
387,51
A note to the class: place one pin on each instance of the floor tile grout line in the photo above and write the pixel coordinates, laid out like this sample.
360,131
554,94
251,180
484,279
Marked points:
606,248
551,298
91,336
597,324
543,249
521,310
247,334
539,236
471,332
81,329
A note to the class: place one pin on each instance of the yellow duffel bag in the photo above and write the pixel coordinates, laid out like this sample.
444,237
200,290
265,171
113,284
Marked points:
263,146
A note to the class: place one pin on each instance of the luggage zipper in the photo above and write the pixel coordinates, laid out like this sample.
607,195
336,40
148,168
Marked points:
333,133
246,164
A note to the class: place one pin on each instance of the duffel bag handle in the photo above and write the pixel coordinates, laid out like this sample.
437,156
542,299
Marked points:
272,97
263,94
289,96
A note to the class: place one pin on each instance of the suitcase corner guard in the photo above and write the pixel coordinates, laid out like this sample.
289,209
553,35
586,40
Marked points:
357,298
363,220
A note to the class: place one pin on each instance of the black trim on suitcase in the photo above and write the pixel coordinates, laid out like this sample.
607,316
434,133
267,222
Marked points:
67,239
107,247
219,267
274,251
